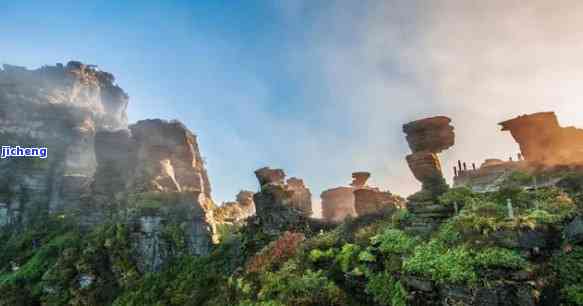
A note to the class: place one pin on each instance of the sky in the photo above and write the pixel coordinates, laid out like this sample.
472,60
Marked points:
318,88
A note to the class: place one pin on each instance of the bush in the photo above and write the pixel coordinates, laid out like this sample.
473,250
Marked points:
385,289
277,252
442,264
499,258
290,286
574,294
459,195
394,241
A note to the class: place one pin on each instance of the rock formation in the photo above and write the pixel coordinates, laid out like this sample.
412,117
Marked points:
150,175
358,199
488,175
428,137
61,108
276,207
338,204
301,196
543,141
237,211
369,201
297,196
544,145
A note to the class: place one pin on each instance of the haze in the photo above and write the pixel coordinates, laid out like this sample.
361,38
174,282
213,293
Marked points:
319,88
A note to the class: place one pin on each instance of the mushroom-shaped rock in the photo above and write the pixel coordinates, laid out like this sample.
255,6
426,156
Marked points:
267,175
433,134
359,179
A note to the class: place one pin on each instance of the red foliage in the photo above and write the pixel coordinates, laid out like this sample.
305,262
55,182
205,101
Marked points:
277,252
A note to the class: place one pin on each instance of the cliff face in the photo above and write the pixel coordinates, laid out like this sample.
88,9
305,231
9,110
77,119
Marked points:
61,108
150,174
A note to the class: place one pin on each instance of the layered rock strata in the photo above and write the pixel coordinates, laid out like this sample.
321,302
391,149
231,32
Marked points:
276,207
428,137
60,107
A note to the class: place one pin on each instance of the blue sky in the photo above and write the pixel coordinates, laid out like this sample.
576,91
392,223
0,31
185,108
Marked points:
319,88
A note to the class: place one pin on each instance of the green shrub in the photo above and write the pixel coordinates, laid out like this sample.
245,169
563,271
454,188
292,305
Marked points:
319,255
347,256
291,286
394,241
574,294
459,195
385,290
499,258
442,264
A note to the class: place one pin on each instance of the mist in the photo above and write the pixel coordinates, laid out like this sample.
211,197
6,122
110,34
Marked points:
380,64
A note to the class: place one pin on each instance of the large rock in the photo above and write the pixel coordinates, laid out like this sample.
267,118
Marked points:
237,211
61,108
369,201
358,199
543,141
267,175
427,137
151,175
433,134
280,206
338,203
301,197
359,179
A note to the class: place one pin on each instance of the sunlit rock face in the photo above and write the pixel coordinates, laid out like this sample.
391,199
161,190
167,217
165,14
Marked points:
153,176
61,108
428,137
543,141
235,212
368,201
276,208
358,199
338,204
168,158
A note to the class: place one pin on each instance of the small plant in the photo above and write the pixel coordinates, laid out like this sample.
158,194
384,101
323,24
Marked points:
500,258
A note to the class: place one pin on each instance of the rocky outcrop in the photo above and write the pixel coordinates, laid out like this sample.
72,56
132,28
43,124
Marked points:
358,199
428,137
488,176
297,196
359,179
434,134
543,141
368,201
61,108
338,204
276,207
301,196
237,211
150,175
